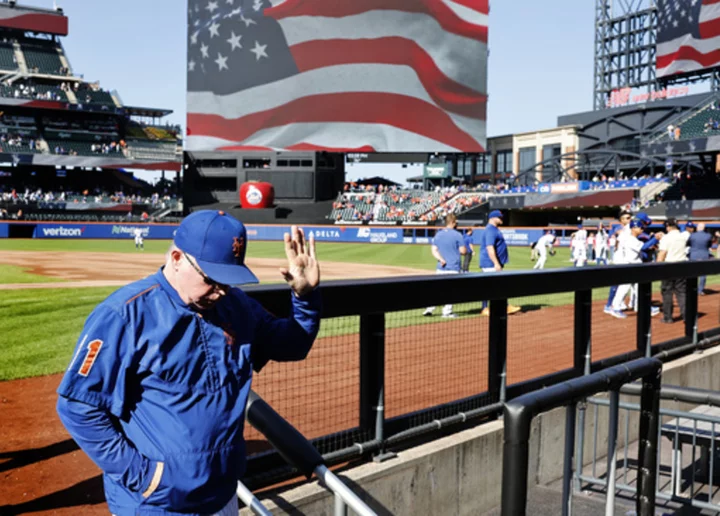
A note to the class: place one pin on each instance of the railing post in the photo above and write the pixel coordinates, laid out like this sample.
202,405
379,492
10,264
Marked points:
644,326
582,356
612,451
497,359
372,376
582,360
691,308
648,446
567,493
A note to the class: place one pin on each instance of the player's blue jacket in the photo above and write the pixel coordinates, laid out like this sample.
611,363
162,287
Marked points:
647,253
155,393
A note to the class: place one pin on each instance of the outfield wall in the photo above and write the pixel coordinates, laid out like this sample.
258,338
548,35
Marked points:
522,236
516,237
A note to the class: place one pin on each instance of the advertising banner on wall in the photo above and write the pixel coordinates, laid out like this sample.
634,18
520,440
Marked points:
116,231
515,237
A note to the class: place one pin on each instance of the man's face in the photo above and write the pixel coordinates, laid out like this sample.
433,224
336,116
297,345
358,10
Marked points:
636,231
199,291
625,219
498,221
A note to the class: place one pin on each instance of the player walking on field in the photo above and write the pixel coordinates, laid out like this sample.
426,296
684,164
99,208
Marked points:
156,390
494,253
629,251
578,242
448,248
601,246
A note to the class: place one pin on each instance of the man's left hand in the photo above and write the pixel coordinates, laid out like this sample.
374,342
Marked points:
303,270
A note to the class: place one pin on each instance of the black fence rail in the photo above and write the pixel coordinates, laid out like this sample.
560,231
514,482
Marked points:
381,374
519,413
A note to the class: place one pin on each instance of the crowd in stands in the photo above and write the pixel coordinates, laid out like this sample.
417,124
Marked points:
367,203
156,200
391,203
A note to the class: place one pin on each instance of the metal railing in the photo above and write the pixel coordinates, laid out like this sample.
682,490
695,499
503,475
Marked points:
300,454
697,429
520,412
376,432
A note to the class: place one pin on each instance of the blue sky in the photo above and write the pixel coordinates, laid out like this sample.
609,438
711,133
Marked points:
536,71
540,63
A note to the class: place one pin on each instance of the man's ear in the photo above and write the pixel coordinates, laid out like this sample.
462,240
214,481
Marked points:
175,256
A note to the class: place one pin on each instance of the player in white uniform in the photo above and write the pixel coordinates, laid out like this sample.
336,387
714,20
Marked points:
601,245
628,251
541,247
138,233
579,246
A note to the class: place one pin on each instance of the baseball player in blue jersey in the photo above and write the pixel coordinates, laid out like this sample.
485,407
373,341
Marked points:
448,248
156,390
494,254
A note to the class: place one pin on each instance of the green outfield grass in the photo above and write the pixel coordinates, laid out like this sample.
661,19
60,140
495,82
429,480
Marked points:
39,327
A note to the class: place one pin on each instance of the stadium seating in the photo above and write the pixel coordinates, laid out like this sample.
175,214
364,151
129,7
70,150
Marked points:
87,95
695,127
7,56
42,55
78,148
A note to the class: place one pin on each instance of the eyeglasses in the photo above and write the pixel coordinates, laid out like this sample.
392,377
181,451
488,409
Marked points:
214,284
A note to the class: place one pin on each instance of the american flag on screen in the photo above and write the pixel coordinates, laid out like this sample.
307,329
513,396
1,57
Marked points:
688,37
343,75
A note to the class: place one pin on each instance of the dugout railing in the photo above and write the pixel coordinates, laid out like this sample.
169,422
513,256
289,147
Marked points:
376,435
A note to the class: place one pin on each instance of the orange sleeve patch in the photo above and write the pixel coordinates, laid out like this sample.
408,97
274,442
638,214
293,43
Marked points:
92,353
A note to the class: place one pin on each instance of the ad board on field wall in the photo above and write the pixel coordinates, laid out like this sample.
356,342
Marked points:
516,237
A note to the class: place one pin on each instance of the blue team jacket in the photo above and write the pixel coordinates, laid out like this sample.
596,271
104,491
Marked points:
155,393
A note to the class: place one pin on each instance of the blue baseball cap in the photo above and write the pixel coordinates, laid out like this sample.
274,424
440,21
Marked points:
690,224
495,213
218,242
643,217
637,223
580,226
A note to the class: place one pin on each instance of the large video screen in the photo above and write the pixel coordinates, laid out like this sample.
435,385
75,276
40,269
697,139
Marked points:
337,75
688,38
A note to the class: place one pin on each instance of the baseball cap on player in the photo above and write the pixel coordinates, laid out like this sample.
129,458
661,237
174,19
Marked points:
495,213
642,216
690,224
636,223
218,242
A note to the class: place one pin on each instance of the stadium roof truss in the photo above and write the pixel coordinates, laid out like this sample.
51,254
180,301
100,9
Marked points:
625,51
584,165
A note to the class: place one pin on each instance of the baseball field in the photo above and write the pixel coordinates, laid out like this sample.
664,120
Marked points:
50,286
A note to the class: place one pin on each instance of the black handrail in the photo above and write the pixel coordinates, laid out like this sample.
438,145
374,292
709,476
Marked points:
342,298
284,437
519,413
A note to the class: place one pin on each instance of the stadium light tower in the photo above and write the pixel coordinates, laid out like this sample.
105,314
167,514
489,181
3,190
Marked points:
625,37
